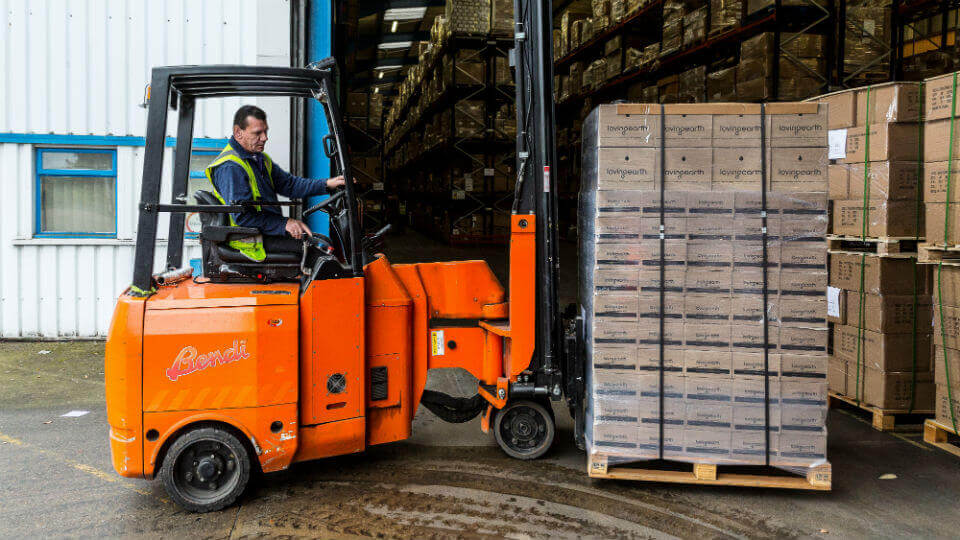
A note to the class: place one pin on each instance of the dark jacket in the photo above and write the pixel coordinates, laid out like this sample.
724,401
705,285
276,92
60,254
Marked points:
231,181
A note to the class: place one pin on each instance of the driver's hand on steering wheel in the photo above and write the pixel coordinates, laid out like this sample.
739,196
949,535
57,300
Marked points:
297,228
335,182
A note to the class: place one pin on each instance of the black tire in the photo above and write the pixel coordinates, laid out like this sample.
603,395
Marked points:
524,429
206,469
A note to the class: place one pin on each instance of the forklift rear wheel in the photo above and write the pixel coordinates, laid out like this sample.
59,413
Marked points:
524,429
206,469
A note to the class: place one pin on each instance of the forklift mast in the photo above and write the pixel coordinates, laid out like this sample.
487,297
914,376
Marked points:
535,193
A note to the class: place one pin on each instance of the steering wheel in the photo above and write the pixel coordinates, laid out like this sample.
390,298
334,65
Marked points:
329,205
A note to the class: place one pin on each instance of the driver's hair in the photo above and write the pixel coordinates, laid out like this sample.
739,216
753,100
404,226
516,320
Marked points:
246,111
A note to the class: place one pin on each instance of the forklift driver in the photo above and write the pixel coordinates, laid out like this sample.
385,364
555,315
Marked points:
244,172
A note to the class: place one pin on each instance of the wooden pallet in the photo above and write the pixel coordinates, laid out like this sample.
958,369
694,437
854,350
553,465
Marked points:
884,246
818,478
934,254
938,435
883,419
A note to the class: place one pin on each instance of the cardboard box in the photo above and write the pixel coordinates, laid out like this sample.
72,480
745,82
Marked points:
672,441
700,415
888,141
673,385
623,307
707,445
756,391
706,308
798,169
946,326
615,333
800,311
890,102
756,417
616,439
803,417
891,389
796,282
627,168
716,363
650,308
737,168
888,313
750,338
935,181
748,365
650,334
842,108
801,449
938,97
751,308
837,375
802,393
947,289
947,410
709,204
615,281
795,125
708,227
803,340
885,218
753,447
708,389
937,232
804,255
619,203
886,180
619,229
612,358
881,275
883,352
614,385
620,255
709,254
736,130
936,140
674,279
688,169
649,361
616,411
706,336
942,366
688,130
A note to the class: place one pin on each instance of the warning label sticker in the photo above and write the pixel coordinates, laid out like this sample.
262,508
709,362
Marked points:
436,343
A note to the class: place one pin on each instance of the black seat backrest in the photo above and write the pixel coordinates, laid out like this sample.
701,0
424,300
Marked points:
210,219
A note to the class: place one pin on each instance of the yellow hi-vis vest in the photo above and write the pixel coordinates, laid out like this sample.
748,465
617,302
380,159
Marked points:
251,246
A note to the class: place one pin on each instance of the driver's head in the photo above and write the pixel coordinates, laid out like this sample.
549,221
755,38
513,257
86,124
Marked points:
250,128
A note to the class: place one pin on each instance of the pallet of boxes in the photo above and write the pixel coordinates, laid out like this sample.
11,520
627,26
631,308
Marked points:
879,298
703,291
941,133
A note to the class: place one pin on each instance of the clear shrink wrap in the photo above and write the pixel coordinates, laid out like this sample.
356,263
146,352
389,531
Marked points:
703,284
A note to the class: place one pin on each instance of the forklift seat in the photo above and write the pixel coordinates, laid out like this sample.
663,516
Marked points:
223,263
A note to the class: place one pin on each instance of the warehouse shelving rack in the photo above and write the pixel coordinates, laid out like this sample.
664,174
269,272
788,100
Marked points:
906,14
481,157
365,138
881,65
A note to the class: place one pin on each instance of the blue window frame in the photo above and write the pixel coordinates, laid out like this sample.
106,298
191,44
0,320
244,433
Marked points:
76,193
199,159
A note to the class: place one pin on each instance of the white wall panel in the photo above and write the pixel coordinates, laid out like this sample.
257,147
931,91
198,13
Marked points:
78,67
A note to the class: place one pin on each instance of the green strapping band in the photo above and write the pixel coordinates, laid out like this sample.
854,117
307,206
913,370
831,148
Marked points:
953,116
943,336
861,312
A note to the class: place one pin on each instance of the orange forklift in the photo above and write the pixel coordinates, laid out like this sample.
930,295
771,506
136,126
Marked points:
254,366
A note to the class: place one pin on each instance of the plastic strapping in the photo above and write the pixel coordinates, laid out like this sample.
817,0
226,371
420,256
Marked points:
946,223
953,117
865,218
663,263
766,327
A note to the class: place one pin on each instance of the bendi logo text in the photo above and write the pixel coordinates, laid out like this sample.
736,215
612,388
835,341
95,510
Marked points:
189,361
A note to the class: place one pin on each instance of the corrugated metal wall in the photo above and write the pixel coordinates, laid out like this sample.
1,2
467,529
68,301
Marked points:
79,67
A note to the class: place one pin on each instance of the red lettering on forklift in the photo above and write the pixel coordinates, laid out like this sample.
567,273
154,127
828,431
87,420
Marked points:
188,361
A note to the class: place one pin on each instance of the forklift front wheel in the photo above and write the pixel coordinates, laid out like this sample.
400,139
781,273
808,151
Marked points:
524,429
206,469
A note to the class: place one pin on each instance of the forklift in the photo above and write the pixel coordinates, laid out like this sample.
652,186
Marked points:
254,366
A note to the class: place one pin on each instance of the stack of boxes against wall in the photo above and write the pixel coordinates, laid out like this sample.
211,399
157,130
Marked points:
364,111
713,309
455,97
941,153
882,305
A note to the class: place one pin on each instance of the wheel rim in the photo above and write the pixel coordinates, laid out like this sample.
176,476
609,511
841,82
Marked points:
523,429
206,470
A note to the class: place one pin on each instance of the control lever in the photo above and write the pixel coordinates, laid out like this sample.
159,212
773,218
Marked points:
318,241
373,243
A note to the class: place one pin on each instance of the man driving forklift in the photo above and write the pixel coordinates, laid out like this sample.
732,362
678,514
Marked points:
244,172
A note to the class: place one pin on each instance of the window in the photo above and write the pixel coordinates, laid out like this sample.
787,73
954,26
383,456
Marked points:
76,192
197,180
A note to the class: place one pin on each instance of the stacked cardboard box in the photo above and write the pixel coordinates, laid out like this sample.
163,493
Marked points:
866,55
946,337
882,313
941,143
471,17
798,74
877,170
742,356
724,15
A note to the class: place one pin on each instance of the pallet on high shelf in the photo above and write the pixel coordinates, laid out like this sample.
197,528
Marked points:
882,419
938,435
817,478
938,254
890,246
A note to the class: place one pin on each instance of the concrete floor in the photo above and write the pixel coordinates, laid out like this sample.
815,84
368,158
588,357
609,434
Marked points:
446,481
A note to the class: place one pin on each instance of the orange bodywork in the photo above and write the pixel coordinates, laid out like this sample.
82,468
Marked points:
316,373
